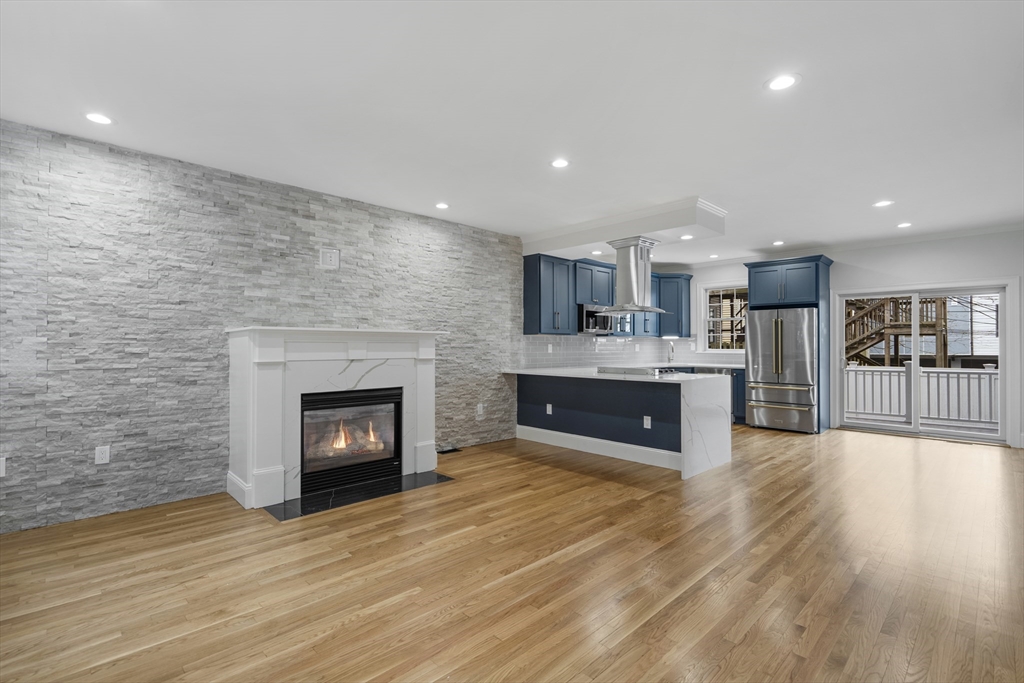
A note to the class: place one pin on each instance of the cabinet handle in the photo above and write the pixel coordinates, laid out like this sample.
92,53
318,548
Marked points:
778,291
558,325
645,324
783,291
595,301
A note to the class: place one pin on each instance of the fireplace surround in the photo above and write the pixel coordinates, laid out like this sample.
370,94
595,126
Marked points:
273,368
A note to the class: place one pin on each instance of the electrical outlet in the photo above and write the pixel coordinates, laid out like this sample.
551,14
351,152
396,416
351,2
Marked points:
550,348
647,421
330,258
479,409
3,467
549,409
638,348
102,455
693,347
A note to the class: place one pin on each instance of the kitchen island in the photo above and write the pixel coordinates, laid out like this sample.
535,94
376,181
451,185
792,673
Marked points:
678,421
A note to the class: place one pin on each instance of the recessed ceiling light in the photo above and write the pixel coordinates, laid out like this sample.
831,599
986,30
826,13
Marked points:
714,256
99,118
783,81
442,205
884,202
903,225
596,253
778,243
686,237
559,163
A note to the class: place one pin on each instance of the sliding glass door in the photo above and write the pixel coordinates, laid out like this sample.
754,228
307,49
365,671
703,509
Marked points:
924,362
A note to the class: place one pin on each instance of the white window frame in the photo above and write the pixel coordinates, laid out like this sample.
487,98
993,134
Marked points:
702,343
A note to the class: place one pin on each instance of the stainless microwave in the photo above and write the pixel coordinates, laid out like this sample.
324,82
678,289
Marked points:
590,321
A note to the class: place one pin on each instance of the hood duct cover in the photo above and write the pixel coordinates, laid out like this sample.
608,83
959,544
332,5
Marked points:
632,276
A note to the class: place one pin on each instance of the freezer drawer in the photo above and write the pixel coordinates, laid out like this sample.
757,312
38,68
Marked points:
795,418
799,394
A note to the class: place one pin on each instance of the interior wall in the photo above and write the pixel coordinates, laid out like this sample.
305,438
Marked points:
120,271
981,257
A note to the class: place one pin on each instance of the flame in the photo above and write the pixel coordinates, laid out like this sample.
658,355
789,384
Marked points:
341,440
373,437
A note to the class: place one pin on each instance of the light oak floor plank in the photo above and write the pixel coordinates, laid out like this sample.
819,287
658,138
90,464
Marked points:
847,556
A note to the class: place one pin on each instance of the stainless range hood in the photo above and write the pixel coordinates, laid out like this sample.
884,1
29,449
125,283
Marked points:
632,277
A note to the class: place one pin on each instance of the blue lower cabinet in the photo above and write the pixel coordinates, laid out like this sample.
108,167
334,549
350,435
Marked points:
612,410
739,397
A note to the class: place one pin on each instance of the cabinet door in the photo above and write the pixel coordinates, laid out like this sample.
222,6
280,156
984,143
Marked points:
585,284
669,296
564,299
800,283
765,286
684,307
547,296
603,287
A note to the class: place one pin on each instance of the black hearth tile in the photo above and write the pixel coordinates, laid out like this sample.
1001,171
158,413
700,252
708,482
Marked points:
355,493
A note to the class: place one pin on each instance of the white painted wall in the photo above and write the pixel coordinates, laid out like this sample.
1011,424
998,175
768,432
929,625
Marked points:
921,264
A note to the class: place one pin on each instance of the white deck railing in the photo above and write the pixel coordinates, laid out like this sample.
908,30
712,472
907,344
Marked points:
952,399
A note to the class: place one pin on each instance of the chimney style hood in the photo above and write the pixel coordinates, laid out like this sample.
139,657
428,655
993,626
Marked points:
632,277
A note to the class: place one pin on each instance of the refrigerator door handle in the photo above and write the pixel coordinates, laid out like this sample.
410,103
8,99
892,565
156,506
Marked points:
779,405
778,347
775,324
786,387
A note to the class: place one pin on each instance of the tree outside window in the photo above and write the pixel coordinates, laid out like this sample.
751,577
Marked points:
726,314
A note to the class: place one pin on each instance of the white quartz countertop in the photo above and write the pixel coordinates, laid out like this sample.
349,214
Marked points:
592,373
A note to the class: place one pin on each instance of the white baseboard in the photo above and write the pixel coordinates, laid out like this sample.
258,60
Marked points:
240,491
612,449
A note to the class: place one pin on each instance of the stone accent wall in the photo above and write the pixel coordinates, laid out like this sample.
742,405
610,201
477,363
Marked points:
120,271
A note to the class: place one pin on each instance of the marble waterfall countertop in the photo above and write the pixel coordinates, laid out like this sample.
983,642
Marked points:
592,373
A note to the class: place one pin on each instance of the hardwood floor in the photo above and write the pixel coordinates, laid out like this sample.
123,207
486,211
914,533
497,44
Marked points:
841,557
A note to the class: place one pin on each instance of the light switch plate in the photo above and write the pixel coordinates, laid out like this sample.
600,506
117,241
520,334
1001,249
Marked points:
330,258
549,409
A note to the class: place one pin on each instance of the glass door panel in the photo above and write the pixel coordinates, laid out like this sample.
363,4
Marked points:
959,382
878,354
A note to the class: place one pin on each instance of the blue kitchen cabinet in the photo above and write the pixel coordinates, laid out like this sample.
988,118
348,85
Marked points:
739,397
674,298
594,284
549,295
788,282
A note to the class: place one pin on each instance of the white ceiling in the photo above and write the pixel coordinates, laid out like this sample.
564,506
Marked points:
408,104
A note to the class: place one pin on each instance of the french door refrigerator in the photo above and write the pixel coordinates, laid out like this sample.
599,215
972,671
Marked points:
782,369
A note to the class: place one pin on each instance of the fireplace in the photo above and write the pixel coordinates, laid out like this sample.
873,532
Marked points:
350,437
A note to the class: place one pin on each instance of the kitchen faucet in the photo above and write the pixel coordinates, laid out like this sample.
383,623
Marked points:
671,351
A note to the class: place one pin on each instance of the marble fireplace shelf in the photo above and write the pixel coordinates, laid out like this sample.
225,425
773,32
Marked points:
272,367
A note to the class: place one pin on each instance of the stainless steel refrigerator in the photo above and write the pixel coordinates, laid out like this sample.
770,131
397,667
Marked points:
782,369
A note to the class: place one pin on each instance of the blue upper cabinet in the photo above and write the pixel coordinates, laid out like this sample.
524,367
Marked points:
594,284
549,295
788,282
674,298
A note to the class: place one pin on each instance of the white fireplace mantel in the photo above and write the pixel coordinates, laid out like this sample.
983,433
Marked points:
271,367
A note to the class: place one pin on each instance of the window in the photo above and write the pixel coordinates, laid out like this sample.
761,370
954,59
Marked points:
725,311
